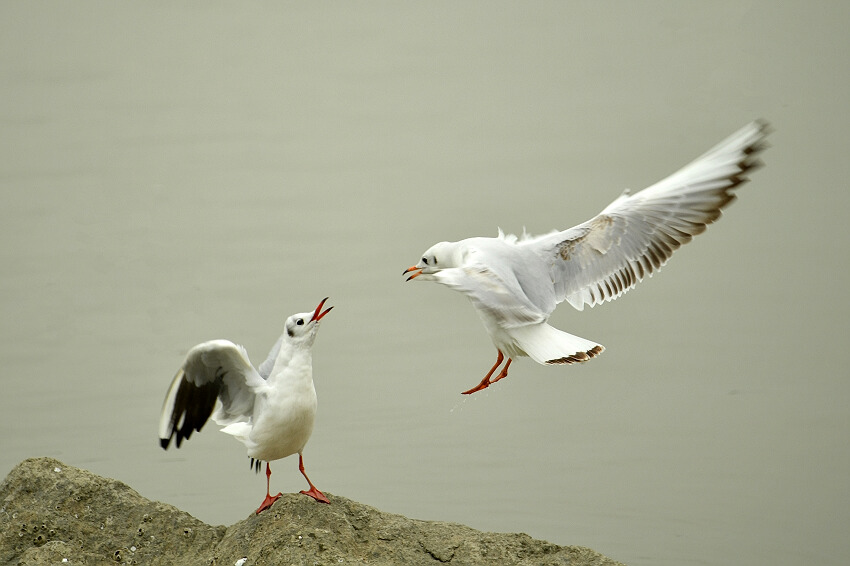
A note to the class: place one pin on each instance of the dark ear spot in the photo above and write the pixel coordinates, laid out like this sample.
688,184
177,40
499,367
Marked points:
289,331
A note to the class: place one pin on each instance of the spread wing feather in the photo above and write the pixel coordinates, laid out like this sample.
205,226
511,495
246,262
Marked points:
214,371
635,235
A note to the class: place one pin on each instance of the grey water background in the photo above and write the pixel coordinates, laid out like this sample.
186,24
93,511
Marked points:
176,172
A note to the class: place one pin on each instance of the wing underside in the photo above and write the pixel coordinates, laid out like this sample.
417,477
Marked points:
217,380
636,235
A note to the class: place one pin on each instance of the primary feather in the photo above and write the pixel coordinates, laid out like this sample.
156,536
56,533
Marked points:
634,236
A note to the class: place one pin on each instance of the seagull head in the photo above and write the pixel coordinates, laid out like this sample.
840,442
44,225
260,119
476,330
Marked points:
302,327
436,258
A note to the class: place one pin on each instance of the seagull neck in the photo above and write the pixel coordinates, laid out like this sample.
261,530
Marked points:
291,355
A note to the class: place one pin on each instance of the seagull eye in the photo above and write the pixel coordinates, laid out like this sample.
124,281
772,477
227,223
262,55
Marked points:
425,260
299,322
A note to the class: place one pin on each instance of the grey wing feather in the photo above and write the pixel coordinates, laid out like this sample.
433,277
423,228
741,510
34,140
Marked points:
489,294
635,235
266,367
217,372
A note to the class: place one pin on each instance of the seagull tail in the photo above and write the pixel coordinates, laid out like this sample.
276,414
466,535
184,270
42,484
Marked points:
549,346
239,430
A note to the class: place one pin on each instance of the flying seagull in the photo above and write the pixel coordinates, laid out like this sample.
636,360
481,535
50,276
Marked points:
514,283
270,410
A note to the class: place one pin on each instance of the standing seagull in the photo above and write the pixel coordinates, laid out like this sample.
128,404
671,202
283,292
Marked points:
515,283
271,411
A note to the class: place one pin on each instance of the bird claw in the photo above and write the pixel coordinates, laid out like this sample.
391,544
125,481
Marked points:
483,385
316,494
267,502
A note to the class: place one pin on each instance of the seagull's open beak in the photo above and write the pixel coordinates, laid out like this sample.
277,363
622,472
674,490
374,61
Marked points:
418,271
317,316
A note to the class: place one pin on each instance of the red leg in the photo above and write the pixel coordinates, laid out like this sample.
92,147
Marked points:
485,383
267,502
504,372
313,491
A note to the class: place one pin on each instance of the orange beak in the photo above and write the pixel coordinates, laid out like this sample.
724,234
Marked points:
418,271
317,316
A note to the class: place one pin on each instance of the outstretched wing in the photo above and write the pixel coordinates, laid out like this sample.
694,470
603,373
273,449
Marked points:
635,235
218,370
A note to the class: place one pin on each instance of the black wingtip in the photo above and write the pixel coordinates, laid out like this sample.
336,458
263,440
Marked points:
164,442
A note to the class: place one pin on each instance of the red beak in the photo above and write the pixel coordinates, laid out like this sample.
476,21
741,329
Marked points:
317,316
418,271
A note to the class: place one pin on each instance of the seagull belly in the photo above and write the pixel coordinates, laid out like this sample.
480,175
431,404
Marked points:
283,428
501,337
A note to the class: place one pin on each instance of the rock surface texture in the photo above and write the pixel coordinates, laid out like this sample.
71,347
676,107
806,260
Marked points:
52,513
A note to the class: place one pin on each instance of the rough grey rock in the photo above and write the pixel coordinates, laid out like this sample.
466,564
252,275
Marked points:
52,513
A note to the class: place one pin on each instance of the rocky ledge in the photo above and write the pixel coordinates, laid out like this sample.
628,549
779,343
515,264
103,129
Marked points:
52,513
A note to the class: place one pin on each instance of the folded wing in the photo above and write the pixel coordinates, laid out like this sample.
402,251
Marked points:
215,371
635,235
503,300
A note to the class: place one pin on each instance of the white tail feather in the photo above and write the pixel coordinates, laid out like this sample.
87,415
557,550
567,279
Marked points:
241,431
547,345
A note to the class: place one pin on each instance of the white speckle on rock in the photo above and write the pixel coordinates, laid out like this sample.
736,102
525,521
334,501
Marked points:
241,561
64,560
57,469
